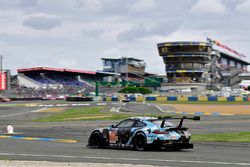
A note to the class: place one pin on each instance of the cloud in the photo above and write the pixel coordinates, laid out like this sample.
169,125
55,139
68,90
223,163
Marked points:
244,7
231,4
140,31
208,7
142,6
41,22
67,63
79,32
92,6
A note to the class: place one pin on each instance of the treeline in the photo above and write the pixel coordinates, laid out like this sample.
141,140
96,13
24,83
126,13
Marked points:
130,89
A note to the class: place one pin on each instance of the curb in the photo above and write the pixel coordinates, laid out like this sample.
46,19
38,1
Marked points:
38,139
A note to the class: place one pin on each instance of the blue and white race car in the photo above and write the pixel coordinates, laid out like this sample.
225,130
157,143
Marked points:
141,133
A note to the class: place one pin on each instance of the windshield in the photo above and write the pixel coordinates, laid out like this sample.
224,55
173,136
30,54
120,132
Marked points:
166,124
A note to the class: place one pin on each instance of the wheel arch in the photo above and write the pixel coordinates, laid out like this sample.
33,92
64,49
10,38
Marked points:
134,140
138,132
94,131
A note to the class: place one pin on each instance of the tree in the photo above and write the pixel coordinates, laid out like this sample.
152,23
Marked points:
130,89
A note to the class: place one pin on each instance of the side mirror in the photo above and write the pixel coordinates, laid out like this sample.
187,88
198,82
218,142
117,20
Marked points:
112,126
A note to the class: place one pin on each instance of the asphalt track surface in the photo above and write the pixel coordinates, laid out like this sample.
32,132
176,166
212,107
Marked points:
204,154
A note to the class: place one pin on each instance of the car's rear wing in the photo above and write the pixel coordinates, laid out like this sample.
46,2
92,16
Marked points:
195,118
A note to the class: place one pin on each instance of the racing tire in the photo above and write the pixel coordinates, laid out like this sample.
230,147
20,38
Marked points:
96,140
139,142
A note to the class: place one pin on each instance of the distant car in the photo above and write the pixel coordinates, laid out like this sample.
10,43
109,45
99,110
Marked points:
141,133
126,100
4,99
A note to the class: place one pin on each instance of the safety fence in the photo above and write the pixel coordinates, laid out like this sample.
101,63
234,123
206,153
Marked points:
182,98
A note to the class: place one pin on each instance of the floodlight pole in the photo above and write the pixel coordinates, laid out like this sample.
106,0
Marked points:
127,70
1,63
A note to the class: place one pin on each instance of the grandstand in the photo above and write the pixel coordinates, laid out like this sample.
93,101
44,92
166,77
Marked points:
46,80
201,65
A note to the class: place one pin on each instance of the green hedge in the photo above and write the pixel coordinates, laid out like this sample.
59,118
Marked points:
141,90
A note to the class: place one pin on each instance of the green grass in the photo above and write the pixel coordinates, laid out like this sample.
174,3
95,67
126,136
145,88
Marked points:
223,137
88,113
3,158
202,102
72,113
12,105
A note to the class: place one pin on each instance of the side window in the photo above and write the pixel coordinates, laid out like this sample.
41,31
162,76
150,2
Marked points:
139,124
125,124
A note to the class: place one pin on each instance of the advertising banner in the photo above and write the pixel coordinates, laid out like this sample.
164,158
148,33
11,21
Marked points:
3,84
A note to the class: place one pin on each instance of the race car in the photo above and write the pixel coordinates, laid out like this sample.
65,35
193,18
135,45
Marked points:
141,133
5,99
125,99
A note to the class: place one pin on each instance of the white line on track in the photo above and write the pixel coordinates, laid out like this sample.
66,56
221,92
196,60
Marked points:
20,113
130,159
46,105
158,107
81,104
101,104
62,105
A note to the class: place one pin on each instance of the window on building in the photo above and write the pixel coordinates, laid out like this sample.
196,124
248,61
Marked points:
187,65
231,63
223,61
198,65
238,65
107,63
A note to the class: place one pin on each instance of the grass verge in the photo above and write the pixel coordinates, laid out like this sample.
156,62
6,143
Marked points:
223,137
3,158
87,113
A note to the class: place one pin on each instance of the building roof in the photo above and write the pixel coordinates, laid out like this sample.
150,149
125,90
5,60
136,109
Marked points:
107,73
184,43
55,70
129,58
233,57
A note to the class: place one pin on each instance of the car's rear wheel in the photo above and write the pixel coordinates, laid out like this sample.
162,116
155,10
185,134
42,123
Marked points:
139,143
96,140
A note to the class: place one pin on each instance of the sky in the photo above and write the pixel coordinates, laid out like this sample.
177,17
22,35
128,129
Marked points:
76,34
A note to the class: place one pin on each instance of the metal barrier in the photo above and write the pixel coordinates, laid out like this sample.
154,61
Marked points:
114,98
150,98
182,98
239,99
221,99
230,98
172,98
140,99
246,99
192,98
212,98
108,99
132,98
202,98
161,98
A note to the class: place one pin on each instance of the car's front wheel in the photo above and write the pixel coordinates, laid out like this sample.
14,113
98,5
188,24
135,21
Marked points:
140,142
96,140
